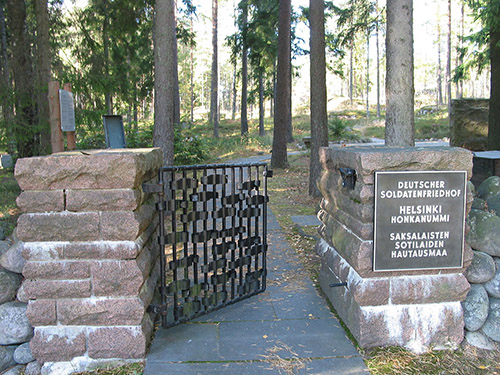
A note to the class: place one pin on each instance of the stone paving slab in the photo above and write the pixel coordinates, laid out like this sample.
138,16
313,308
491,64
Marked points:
306,220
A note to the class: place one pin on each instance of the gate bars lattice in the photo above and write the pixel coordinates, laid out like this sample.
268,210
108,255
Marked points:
212,236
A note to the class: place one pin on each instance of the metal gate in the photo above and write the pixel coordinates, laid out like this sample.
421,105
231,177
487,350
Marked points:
212,236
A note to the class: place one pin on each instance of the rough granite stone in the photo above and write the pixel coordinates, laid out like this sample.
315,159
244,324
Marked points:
482,268
62,270
483,234
41,201
493,285
117,278
4,246
37,289
42,312
489,188
14,325
33,368
428,289
57,344
21,296
100,312
469,123
102,250
63,226
357,252
119,342
23,355
366,160
493,204
479,204
16,370
103,200
12,259
7,357
476,306
491,327
125,225
9,284
369,292
99,169
479,340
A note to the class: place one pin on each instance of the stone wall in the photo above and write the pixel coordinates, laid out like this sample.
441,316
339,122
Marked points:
91,260
413,309
15,329
469,123
482,304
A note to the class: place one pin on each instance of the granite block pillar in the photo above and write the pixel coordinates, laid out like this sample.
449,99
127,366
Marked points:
91,257
416,309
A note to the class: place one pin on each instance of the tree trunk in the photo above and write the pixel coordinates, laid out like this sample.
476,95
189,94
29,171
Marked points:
378,62
351,74
164,40
319,116
439,67
173,48
244,71
233,109
214,87
367,73
279,157
43,73
191,76
261,104
25,132
448,61
105,43
460,84
494,115
399,128
6,87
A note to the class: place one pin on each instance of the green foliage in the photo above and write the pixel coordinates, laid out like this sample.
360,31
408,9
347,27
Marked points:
336,127
189,148
9,190
475,52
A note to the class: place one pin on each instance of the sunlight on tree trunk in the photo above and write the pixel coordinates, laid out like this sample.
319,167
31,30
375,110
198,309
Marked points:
494,115
319,116
163,135
399,128
244,71
214,86
43,73
279,157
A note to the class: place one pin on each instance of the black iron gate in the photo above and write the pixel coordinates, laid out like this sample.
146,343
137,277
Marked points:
212,236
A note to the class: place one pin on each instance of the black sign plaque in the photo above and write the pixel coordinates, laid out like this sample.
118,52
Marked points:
419,220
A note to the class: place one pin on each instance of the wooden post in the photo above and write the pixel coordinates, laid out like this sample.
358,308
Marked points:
56,136
70,136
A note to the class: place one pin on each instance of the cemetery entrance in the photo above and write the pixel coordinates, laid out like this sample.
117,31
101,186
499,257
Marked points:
212,237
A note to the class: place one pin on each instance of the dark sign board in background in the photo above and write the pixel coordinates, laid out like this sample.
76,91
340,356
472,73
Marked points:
67,111
419,220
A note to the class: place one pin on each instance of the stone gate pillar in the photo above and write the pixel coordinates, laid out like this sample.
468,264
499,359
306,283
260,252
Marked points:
90,269
416,309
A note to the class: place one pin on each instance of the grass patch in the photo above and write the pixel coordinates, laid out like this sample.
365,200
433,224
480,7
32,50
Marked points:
132,369
9,190
464,361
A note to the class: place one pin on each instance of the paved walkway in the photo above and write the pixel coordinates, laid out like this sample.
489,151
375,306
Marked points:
288,329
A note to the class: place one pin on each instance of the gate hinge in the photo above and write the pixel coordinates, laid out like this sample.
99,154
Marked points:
268,173
152,188
158,309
